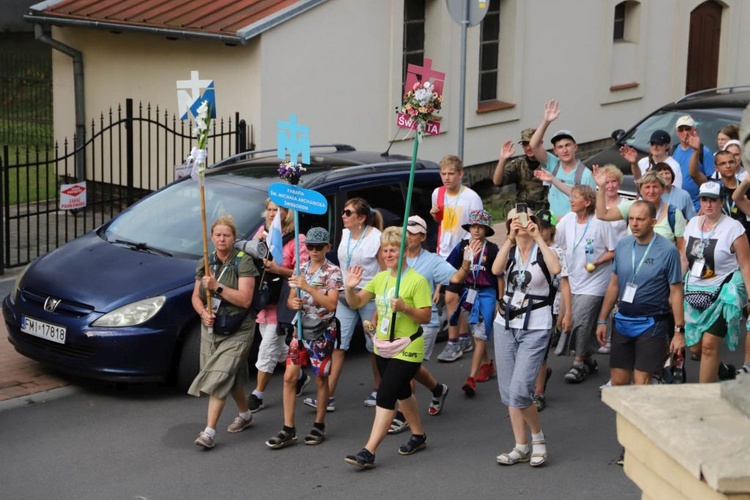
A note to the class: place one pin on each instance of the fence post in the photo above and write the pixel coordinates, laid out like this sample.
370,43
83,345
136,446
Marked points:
241,134
129,149
3,216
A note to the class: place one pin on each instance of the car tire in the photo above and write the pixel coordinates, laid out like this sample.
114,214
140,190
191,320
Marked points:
188,364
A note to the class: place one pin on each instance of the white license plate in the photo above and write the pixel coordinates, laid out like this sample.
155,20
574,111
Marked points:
43,330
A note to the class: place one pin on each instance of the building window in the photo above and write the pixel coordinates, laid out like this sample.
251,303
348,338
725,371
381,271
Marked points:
618,33
414,21
489,47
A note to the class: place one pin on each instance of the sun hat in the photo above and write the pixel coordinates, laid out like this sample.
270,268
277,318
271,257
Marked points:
481,217
416,224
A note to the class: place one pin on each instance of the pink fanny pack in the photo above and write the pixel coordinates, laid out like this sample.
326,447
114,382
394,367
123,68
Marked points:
390,348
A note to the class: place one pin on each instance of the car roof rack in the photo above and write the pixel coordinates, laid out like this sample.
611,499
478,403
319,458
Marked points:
251,154
719,90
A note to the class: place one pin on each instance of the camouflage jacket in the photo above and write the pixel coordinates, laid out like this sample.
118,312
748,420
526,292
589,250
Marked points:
529,189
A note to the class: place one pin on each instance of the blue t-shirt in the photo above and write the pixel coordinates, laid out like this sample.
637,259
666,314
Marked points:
559,202
436,271
707,167
660,269
681,200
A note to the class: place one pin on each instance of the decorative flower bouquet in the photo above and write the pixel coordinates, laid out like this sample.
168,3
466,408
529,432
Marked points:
198,155
290,171
422,103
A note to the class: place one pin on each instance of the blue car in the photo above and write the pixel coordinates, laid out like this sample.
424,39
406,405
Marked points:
114,304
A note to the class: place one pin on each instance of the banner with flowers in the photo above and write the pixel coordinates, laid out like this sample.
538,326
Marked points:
422,100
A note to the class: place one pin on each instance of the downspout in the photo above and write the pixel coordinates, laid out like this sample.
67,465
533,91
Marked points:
78,93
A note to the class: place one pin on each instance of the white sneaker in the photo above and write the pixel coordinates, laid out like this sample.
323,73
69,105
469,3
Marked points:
372,399
605,349
608,384
451,353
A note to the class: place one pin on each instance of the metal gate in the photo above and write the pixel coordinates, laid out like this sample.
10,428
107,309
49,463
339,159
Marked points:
129,153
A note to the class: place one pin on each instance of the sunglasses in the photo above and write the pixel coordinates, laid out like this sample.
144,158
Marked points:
348,212
316,247
412,223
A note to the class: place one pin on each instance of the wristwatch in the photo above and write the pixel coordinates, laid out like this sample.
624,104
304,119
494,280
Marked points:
219,289
679,329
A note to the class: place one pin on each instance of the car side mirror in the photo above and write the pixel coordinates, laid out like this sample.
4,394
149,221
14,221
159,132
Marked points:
618,134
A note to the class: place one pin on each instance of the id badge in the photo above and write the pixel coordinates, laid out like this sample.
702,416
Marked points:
215,303
471,296
517,301
384,324
697,269
629,294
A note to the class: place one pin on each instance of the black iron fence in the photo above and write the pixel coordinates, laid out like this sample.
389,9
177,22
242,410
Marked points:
129,153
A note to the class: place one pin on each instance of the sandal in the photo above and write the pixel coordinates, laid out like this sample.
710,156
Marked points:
538,457
398,425
513,457
413,445
316,436
281,440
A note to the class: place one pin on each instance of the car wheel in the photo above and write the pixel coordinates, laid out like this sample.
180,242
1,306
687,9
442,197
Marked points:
189,358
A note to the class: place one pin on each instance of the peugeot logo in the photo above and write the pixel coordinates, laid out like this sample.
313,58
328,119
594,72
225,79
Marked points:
51,304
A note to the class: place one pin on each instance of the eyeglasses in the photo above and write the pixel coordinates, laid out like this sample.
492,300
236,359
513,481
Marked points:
684,128
413,223
316,247
348,212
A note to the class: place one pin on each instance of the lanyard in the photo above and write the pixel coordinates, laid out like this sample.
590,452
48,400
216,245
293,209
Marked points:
386,302
521,265
632,257
584,233
705,239
311,279
450,222
350,254
475,268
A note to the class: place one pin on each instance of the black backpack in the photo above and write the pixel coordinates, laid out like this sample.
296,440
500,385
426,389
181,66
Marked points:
538,301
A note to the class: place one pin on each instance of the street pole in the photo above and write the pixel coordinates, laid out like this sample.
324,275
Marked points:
462,89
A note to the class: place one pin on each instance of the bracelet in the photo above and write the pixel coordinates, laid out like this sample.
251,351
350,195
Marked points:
600,322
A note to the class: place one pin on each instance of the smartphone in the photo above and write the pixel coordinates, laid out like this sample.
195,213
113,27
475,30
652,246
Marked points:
521,214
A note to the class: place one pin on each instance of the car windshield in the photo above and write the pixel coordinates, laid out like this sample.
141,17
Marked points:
707,121
170,220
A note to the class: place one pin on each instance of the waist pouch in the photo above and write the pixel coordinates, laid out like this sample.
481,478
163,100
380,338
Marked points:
633,326
390,348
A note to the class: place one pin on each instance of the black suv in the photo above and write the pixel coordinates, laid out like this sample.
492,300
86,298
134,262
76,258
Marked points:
711,110
115,303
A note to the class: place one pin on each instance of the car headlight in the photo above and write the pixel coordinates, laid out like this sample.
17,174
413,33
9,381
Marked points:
131,314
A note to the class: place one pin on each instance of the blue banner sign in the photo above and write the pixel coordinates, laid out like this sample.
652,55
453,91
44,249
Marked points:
296,198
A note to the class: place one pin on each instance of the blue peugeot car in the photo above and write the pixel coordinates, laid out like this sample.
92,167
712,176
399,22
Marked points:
114,304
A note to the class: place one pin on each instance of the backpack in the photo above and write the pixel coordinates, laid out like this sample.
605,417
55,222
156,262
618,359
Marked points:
268,285
541,301
439,215
579,172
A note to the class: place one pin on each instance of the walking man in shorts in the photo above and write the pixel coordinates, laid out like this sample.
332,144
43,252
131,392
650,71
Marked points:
647,285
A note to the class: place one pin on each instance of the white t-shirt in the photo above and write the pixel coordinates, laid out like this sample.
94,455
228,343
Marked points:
456,210
558,277
643,164
719,258
361,252
535,283
598,236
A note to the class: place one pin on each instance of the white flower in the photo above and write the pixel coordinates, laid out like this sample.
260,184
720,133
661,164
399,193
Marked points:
203,111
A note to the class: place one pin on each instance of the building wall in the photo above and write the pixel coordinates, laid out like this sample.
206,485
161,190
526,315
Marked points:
338,67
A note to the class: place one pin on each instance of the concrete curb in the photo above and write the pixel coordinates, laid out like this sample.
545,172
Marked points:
38,398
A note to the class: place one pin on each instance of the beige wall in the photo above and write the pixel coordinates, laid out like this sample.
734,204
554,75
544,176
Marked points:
338,68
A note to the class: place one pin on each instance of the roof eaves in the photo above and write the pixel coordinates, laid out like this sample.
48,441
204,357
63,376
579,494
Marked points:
276,19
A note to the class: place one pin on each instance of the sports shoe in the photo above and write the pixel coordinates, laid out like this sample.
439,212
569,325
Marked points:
591,366
255,403
372,399
282,440
576,374
313,403
605,349
727,372
436,405
451,352
302,383
621,461
540,402
399,424
743,370
240,424
204,440
413,445
470,386
363,459
604,386
466,344
486,371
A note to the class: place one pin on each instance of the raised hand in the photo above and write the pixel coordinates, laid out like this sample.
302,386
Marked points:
532,229
630,154
508,150
600,177
543,175
694,139
551,110
353,276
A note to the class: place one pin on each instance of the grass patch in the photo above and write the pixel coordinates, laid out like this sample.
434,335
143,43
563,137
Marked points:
27,184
